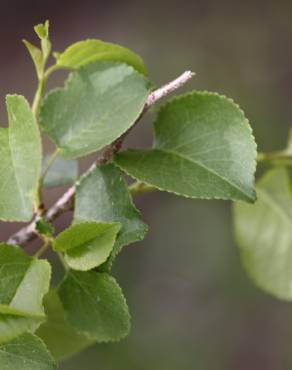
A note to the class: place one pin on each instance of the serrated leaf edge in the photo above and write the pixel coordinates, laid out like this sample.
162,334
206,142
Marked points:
69,48
65,88
181,97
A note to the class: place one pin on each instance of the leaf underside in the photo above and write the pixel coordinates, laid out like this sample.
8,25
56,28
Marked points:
264,234
61,173
59,336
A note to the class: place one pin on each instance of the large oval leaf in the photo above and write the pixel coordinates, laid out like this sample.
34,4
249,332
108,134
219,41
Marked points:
89,51
20,164
98,104
264,234
203,148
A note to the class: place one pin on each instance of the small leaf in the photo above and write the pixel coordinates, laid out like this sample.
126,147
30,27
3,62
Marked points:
37,57
264,234
61,173
26,352
95,305
103,195
98,104
87,245
44,227
203,148
20,165
89,51
42,30
23,283
59,336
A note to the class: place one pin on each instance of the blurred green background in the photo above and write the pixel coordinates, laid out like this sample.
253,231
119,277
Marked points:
192,305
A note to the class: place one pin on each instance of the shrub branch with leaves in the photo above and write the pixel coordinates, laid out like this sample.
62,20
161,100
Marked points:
203,148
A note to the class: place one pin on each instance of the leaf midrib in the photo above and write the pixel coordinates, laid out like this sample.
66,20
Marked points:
92,240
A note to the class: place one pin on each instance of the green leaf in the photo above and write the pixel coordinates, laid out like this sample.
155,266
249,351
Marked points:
203,148
59,336
95,305
89,51
26,352
103,195
98,104
44,227
264,234
61,173
23,283
37,57
87,245
20,165
42,30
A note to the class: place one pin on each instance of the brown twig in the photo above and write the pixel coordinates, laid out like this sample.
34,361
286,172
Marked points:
64,203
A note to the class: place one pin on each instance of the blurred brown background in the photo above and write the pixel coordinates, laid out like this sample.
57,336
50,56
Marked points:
193,307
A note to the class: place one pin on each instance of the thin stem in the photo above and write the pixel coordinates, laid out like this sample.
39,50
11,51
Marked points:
50,70
43,248
41,89
39,96
39,208
275,157
51,161
63,262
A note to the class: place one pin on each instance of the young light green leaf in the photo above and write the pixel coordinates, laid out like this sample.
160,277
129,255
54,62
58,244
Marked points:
95,305
98,104
103,195
264,234
87,245
44,227
20,165
42,30
27,352
23,283
89,51
61,173
203,148
59,336
36,56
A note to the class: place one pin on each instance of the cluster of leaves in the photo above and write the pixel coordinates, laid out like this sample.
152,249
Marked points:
203,148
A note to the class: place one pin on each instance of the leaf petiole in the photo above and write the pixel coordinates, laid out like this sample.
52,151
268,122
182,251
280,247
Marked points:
44,247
